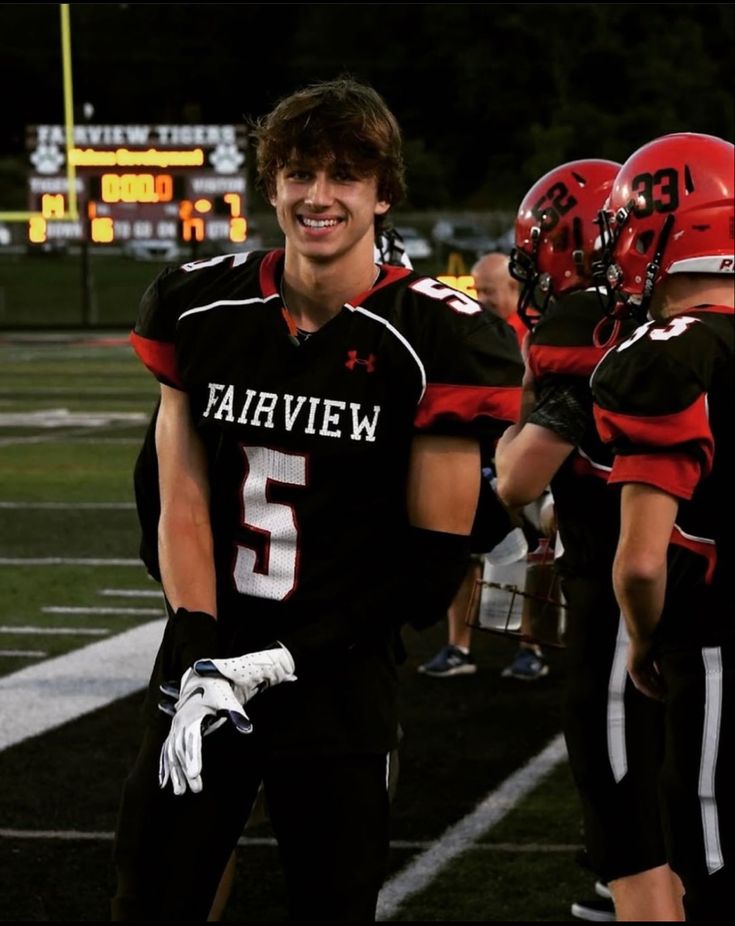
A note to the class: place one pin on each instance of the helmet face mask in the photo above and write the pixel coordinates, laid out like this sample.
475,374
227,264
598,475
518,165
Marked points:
670,210
556,232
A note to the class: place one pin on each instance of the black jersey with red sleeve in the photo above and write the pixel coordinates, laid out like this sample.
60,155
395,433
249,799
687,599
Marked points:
663,401
308,441
564,348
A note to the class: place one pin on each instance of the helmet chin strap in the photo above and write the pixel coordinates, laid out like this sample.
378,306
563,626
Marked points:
578,249
605,287
522,267
654,266
598,337
608,275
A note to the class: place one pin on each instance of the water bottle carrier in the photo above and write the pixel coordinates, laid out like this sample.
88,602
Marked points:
522,599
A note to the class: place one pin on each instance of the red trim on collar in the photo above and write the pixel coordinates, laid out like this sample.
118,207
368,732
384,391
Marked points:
273,259
267,272
389,274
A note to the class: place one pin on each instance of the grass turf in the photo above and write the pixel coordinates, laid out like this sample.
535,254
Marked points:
462,736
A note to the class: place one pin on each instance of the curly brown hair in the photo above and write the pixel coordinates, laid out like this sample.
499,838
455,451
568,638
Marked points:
342,121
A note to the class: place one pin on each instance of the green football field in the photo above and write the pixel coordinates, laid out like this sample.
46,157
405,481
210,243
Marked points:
486,825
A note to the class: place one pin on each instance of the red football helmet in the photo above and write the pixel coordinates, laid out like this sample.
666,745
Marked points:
670,210
556,231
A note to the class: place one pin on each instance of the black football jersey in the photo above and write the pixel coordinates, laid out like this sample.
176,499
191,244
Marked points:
308,441
663,401
564,348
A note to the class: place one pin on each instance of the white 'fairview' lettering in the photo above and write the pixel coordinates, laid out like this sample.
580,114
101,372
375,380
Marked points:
325,417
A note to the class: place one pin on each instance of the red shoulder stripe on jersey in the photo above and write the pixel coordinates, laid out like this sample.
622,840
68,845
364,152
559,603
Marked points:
392,273
466,403
572,361
686,426
159,357
705,548
267,272
675,473
519,326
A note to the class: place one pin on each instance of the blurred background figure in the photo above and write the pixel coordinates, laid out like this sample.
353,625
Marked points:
498,293
390,248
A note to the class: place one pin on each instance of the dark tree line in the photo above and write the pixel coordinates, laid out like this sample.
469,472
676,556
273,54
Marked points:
489,95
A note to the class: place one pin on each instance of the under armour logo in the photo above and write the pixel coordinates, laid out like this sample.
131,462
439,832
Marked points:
353,360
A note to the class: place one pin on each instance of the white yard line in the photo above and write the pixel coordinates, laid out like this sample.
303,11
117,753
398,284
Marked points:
71,506
131,593
69,437
507,847
23,653
65,561
39,698
421,871
83,631
71,609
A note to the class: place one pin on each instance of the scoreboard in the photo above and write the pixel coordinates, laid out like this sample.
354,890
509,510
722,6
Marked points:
169,183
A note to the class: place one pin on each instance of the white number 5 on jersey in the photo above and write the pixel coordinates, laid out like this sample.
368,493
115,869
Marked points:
274,521
458,301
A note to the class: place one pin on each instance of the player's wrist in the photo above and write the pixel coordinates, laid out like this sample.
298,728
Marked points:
189,635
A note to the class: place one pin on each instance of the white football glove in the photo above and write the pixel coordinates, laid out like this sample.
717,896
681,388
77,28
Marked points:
204,704
252,672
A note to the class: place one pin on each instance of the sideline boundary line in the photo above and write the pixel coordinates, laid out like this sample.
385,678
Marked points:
41,697
421,871
92,836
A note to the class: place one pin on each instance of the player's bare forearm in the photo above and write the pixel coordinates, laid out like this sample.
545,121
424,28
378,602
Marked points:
639,571
639,576
444,483
184,533
640,598
526,458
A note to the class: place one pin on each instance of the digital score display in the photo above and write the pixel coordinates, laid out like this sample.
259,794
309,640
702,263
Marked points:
140,183
136,188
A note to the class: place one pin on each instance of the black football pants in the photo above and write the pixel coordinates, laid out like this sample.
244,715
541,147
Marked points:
698,776
614,736
329,815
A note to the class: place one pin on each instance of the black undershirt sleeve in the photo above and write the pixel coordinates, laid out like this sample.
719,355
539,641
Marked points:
563,406
436,563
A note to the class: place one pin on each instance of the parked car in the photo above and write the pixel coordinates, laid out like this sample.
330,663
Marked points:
506,241
152,249
418,247
468,239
